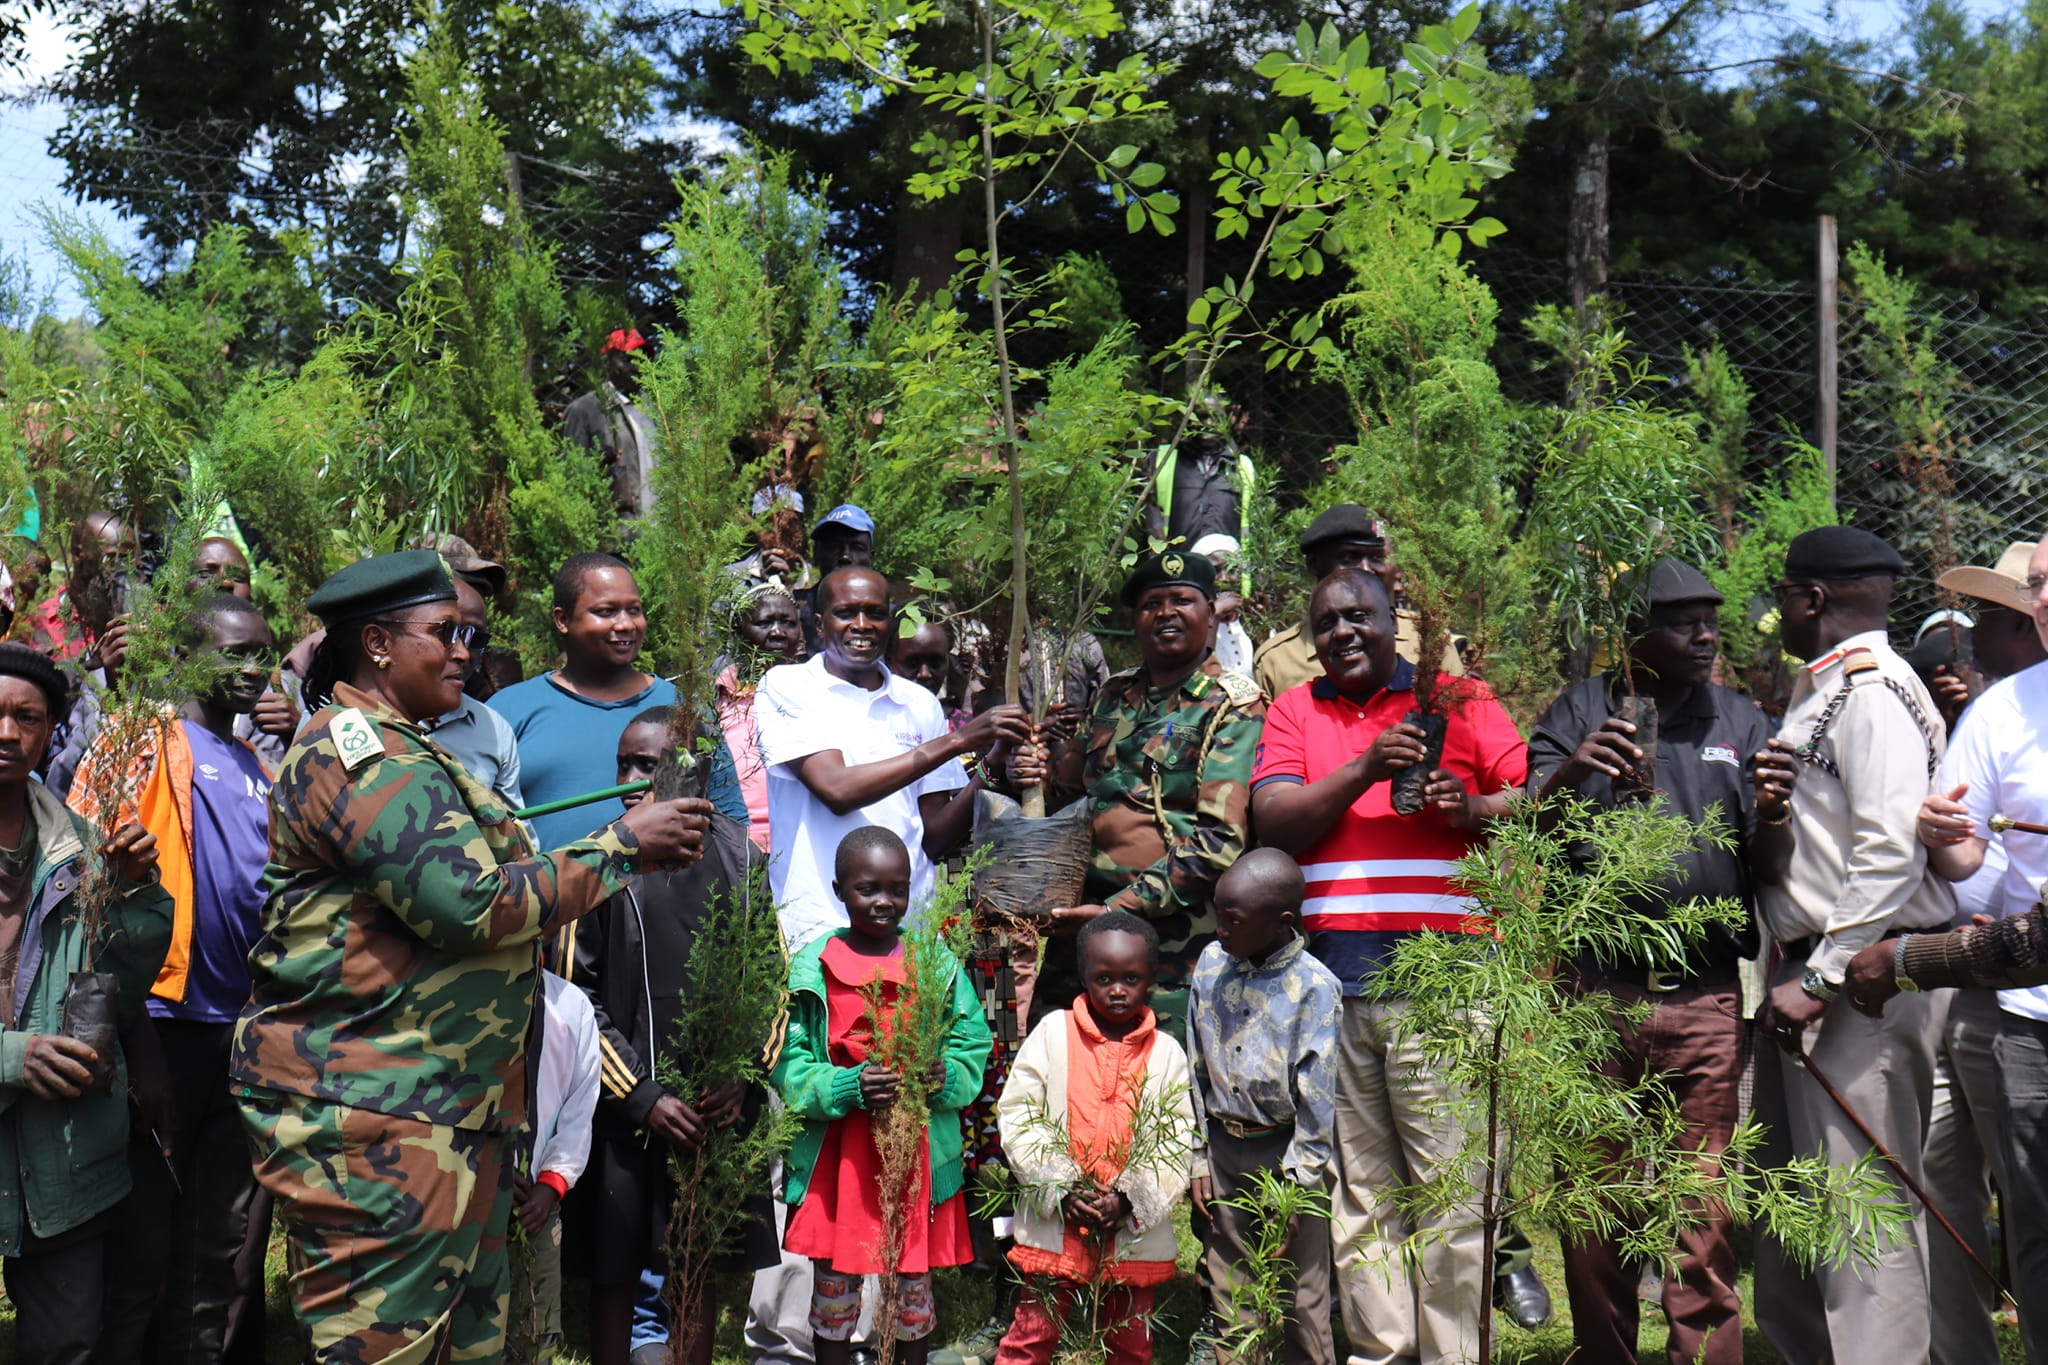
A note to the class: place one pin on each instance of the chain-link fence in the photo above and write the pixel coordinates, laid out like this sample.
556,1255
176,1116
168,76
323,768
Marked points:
1985,377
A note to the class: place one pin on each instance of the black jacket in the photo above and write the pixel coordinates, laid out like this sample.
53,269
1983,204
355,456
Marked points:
628,956
1703,766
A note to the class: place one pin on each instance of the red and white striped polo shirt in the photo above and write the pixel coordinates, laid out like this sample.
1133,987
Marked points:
1377,873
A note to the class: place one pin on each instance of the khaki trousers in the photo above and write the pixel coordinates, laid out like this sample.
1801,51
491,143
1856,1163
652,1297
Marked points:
1964,1155
1860,1312
1399,1125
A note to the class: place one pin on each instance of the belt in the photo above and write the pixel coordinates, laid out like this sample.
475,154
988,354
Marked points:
1659,980
1241,1131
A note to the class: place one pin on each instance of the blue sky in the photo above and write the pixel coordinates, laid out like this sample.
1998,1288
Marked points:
31,177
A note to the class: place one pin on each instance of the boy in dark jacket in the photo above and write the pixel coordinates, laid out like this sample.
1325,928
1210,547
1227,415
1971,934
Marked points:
631,957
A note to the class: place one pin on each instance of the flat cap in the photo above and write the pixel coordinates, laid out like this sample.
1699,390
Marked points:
485,575
2004,584
383,583
1170,569
1345,524
1840,552
1674,583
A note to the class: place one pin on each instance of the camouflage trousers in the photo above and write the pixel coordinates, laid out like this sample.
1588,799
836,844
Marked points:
394,1230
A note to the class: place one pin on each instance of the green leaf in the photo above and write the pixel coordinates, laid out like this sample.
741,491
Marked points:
1147,175
1134,217
1465,23
1198,312
1123,156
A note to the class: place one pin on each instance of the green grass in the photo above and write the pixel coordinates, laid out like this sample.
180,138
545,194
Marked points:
964,1300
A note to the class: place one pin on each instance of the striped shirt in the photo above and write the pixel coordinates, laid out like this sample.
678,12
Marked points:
1376,877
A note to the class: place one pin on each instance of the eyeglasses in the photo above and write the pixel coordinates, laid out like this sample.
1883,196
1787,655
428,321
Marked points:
2029,592
449,633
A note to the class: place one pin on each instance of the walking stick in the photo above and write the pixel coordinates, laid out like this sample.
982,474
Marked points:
1905,1176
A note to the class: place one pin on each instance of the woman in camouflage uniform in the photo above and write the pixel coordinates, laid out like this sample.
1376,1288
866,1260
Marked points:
381,1063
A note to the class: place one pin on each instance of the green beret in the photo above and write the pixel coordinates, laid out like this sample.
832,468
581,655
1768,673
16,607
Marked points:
370,587
1167,570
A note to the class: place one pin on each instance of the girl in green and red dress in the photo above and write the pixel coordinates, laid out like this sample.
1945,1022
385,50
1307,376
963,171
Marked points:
834,1171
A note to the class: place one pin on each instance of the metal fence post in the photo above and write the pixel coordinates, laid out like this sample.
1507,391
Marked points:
1829,358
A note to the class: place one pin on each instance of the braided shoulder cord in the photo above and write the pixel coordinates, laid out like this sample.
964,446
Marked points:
1809,752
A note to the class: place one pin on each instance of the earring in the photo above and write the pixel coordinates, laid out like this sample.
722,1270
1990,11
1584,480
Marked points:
383,663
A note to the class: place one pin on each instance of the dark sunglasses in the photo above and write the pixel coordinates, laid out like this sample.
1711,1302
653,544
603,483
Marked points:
449,633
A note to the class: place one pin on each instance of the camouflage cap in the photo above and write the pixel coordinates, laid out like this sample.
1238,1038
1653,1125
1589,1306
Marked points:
383,583
485,575
1166,570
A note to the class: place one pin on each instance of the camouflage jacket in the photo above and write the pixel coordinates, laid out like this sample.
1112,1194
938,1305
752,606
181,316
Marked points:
1170,781
403,913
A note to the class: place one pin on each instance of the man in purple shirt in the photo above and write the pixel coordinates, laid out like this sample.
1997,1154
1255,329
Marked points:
172,1285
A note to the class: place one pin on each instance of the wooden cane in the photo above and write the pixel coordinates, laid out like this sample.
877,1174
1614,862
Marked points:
2001,823
1905,1176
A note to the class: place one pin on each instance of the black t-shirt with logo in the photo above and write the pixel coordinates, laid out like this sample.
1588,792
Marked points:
1703,753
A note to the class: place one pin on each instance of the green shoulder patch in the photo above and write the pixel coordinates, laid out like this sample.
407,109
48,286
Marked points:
1241,690
355,738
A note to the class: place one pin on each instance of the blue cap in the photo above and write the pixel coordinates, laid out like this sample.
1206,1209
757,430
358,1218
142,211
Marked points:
855,519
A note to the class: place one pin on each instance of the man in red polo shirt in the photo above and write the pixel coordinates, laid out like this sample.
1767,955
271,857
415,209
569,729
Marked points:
1321,791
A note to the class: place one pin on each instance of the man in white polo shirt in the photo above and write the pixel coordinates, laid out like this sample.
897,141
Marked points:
1997,764
848,743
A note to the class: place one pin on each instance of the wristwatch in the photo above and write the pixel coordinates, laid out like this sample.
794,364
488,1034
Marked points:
1816,985
1899,977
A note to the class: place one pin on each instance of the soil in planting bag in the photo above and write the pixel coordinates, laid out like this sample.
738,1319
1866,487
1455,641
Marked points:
1410,781
680,773
89,1002
1641,712
1037,865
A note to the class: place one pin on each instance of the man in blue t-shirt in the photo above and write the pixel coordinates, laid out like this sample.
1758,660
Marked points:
568,721
172,1292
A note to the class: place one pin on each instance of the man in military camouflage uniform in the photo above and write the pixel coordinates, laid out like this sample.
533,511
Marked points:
1166,762
380,1065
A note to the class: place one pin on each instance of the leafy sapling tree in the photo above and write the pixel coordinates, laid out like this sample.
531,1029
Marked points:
1414,138
758,301
1262,1295
911,1024
1900,344
1003,126
132,702
1432,455
1616,490
1551,1138
1794,499
736,992
1158,1138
